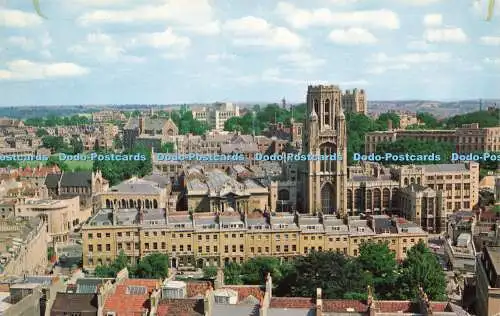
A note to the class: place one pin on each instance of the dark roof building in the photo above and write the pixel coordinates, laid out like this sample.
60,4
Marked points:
70,303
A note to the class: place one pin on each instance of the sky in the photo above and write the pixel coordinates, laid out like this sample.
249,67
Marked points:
200,51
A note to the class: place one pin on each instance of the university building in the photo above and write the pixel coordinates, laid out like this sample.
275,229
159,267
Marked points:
231,236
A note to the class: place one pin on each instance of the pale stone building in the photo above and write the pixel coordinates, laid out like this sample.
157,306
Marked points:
355,101
23,247
325,133
216,115
61,215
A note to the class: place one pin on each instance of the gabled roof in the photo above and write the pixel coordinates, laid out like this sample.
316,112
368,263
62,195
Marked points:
52,180
77,179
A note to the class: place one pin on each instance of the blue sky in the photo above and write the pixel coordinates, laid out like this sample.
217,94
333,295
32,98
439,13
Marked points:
184,51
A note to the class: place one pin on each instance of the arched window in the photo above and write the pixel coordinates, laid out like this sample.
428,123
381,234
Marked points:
316,106
326,198
283,195
327,111
327,149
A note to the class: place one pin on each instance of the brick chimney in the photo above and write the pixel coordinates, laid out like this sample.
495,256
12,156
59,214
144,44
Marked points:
219,278
425,304
141,125
319,302
372,307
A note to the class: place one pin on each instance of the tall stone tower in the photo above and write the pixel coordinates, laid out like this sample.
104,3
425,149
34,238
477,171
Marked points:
325,134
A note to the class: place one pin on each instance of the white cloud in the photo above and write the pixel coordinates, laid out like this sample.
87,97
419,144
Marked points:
418,45
253,31
493,61
28,70
219,57
419,2
352,36
433,20
302,18
30,44
491,40
412,58
193,15
275,75
210,28
343,2
103,48
380,69
301,60
165,39
19,19
21,41
446,35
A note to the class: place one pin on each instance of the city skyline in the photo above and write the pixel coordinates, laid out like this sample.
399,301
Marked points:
99,52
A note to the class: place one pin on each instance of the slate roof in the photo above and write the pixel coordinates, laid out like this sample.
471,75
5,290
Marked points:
75,302
52,180
77,179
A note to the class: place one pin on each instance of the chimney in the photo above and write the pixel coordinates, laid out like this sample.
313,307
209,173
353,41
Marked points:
208,302
269,285
219,278
372,307
319,303
425,304
389,125
141,125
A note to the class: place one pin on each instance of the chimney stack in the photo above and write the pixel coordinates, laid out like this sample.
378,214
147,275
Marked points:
389,125
141,125
319,302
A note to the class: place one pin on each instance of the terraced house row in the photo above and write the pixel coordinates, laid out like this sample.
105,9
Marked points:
218,238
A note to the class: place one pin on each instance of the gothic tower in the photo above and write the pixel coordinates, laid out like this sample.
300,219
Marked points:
325,134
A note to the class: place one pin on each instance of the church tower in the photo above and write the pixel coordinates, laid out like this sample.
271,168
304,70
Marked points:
325,134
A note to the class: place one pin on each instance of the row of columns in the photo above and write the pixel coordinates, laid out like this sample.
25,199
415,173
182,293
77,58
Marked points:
131,203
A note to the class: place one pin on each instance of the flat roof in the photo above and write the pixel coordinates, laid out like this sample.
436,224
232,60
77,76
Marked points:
494,253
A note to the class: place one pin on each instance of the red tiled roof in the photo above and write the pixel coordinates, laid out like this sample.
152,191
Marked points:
197,288
180,307
440,307
331,306
397,306
126,304
292,302
245,291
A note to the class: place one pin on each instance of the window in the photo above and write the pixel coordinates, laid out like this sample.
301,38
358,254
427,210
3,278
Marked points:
215,249
278,249
108,235
163,245
90,236
294,247
200,237
181,248
98,235
91,248
234,248
226,249
207,248
174,248
146,246
99,247
155,245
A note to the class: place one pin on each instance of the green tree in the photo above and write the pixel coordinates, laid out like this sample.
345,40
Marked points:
337,275
209,272
54,161
429,120
255,270
76,145
153,266
384,118
41,132
380,266
167,148
117,172
232,274
416,146
117,142
421,268
484,118
54,143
